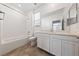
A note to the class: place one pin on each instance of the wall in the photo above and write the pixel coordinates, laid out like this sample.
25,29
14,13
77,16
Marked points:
13,30
51,12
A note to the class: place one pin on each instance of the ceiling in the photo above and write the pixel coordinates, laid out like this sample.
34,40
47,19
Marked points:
24,7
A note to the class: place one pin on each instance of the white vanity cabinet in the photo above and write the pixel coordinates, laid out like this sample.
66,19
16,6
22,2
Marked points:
64,45
69,48
43,41
59,45
55,46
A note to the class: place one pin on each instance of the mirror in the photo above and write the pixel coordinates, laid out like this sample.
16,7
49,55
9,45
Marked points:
58,25
72,15
72,11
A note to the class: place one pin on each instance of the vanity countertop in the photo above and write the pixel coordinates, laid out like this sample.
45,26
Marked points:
60,33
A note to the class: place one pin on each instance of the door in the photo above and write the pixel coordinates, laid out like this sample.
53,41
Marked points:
69,48
55,47
43,42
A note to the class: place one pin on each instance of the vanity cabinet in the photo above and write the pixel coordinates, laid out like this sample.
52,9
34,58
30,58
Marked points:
55,46
43,41
64,45
59,45
69,48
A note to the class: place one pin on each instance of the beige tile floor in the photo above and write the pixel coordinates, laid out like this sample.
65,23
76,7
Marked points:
27,50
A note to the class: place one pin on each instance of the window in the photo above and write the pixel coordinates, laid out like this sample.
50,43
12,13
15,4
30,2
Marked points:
37,19
57,25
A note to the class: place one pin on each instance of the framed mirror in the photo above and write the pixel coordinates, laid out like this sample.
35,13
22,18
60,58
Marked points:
58,25
72,15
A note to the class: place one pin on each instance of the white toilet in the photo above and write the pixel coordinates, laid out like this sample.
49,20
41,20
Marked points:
33,41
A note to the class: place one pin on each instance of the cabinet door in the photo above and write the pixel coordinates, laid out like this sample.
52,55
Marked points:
39,42
43,42
55,47
69,48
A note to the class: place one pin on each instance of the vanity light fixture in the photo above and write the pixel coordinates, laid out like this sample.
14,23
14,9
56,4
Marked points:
1,15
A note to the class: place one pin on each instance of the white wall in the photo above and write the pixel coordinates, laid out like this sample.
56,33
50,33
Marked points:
50,12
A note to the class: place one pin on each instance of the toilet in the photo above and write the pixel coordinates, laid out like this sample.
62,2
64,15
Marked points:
33,41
